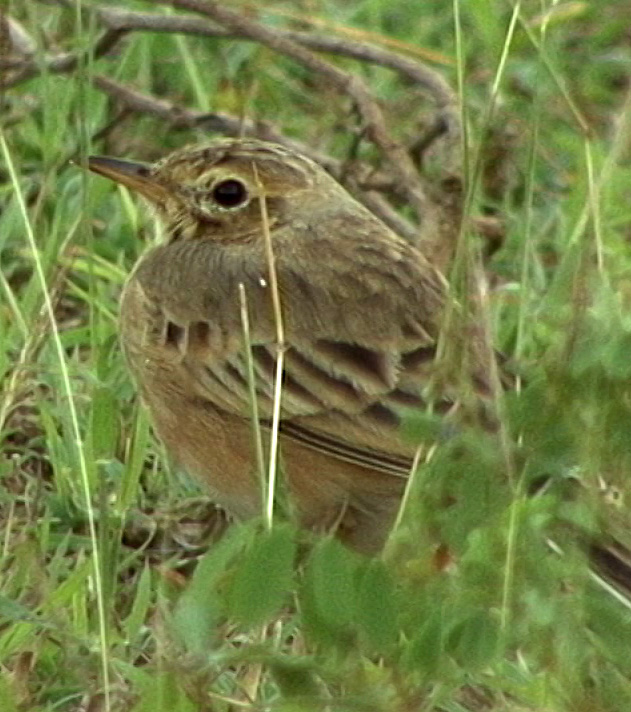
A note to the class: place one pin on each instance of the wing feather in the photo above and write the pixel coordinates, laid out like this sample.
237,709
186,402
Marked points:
360,338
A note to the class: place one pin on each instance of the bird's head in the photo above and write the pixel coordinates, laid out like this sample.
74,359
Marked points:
214,191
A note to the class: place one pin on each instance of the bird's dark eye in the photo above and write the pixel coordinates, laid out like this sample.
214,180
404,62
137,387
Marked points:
230,193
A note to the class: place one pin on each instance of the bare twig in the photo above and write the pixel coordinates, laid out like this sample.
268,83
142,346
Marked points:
60,63
14,38
120,22
229,125
399,180
412,70
375,126
221,122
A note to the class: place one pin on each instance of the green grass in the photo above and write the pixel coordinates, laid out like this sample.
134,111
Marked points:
102,605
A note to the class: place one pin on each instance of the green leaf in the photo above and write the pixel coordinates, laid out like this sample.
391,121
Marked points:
295,678
103,423
376,606
15,611
264,577
7,700
163,694
196,619
142,601
425,651
474,641
615,357
198,610
422,426
328,593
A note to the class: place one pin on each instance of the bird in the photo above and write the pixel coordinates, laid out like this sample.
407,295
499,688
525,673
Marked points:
361,312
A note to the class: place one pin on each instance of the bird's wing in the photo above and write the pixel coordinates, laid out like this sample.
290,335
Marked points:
360,339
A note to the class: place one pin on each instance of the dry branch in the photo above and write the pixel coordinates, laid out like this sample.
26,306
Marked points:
375,127
218,121
181,117
399,180
414,71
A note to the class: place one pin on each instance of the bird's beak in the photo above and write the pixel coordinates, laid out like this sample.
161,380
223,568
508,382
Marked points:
135,176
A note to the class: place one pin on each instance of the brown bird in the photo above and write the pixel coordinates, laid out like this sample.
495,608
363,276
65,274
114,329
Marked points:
360,307
361,311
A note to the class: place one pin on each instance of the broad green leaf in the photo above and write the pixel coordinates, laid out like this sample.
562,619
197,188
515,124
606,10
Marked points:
328,592
263,578
426,649
200,607
376,607
474,641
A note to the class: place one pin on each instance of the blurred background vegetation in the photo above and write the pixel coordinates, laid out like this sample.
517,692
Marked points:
110,596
